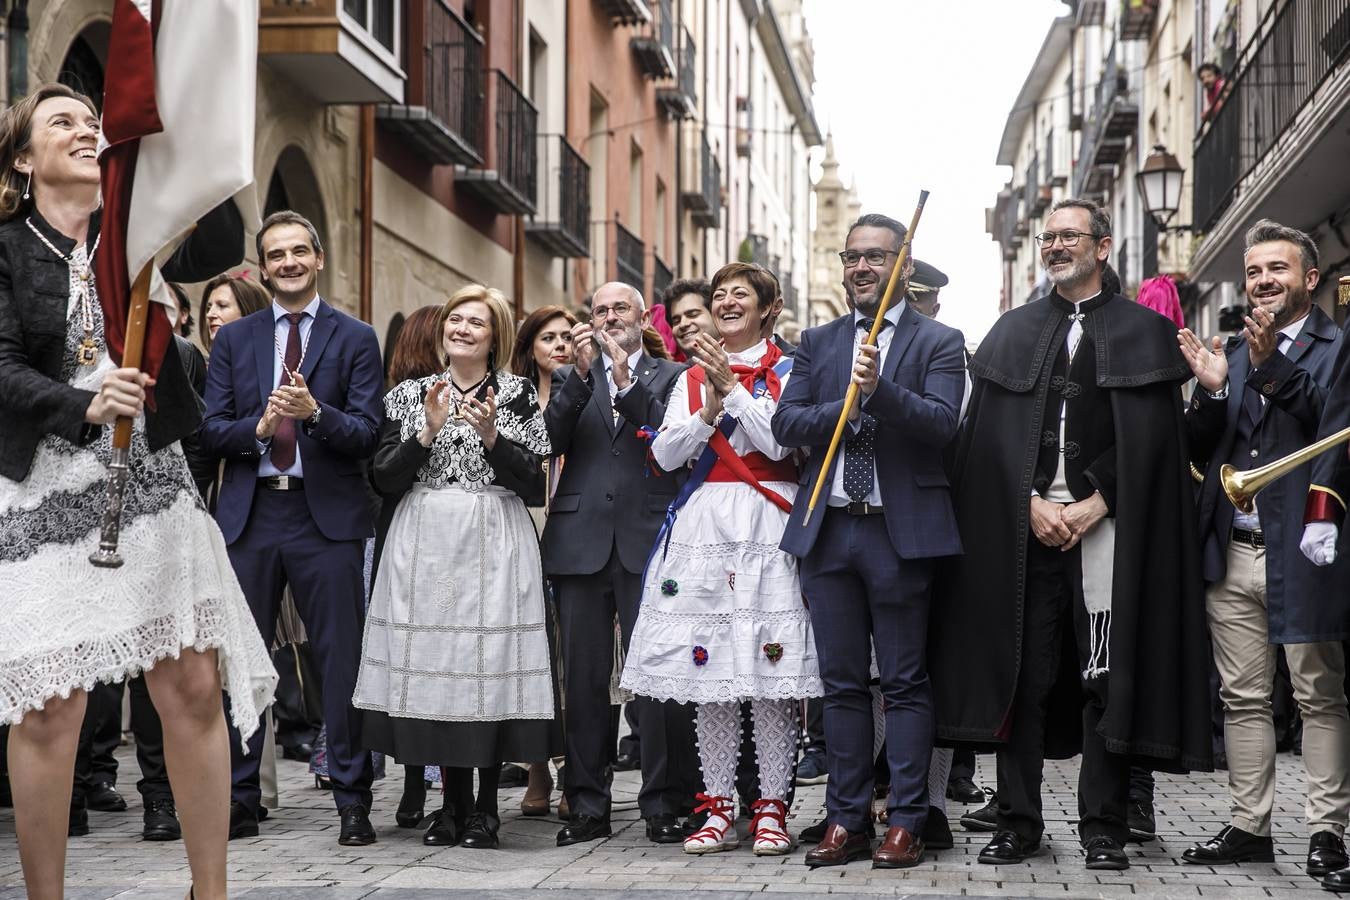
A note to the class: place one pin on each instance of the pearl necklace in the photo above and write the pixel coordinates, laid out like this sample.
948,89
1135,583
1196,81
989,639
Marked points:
86,354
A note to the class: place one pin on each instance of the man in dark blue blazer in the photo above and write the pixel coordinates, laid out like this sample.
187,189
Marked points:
869,550
293,399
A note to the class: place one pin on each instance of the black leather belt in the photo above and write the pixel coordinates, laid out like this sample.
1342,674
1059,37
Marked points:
1253,538
282,483
861,508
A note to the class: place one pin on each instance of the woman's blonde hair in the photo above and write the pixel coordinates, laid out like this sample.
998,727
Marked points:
16,136
503,327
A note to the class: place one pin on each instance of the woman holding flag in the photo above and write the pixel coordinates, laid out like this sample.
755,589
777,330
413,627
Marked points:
722,616
174,610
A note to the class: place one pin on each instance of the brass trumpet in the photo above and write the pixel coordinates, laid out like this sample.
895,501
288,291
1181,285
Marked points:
1242,487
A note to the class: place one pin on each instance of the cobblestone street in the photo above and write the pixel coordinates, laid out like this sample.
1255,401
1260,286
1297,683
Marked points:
297,854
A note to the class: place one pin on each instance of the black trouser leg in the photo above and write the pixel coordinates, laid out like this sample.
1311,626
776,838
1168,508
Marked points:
1141,785
1103,777
100,734
148,730
631,743
487,790
963,765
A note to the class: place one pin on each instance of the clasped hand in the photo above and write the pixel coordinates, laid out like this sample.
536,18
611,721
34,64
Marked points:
721,381
287,401
1063,525
480,414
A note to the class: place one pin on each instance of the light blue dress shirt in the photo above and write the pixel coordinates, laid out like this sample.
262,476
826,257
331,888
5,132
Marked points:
282,333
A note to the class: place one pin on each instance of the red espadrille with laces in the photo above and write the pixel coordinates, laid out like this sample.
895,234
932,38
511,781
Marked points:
769,827
719,832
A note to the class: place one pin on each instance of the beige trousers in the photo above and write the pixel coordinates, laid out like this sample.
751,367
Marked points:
1246,662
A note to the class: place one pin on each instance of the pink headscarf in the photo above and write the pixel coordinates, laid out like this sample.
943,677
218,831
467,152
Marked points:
1160,295
667,335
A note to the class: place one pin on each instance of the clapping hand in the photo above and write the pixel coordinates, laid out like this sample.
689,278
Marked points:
482,415
436,409
1210,366
619,373
583,348
1262,338
709,354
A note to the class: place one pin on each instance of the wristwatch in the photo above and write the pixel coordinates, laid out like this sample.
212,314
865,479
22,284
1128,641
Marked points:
313,421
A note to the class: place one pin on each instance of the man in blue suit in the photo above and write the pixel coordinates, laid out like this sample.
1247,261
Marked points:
293,397
869,550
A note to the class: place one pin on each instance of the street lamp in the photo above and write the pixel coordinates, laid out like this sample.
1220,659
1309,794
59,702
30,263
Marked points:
1159,184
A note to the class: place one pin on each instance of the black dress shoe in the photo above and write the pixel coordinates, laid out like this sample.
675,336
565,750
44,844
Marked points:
627,762
937,831
301,752
1007,848
513,776
356,830
963,789
243,821
480,832
103,797
814,834
664,830
1103,852
1232,845
1326,854
1339,882
983,819
443,830
79,822
583,828
161,822
1143,827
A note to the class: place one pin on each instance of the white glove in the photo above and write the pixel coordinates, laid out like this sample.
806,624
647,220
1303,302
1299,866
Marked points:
1319,543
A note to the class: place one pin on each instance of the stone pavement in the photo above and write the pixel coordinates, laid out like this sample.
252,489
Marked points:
297,855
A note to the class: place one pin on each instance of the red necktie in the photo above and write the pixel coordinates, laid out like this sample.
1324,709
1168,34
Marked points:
283,442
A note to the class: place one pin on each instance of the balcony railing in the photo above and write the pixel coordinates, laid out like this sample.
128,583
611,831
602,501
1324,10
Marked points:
755,249
661,278
1113,121
680,100
336,52
1295,48
564,204
443,118
511,185
703,192
625,12
655,51
1136,19
629,257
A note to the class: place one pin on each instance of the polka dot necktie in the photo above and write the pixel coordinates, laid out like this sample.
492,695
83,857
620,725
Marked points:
860,449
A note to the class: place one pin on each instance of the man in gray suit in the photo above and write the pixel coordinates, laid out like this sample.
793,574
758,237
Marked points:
602,523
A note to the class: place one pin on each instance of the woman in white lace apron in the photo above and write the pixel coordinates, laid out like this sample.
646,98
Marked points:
174,609
455,665
722,616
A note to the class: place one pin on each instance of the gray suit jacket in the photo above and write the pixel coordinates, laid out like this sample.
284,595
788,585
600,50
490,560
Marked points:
607,495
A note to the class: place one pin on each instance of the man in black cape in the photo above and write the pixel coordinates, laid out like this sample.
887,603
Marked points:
1081,570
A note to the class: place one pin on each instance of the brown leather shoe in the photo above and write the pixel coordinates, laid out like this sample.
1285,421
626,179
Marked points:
899,850
839,847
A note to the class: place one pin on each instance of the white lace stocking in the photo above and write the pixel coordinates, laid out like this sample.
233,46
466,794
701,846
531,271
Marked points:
719,745
775,744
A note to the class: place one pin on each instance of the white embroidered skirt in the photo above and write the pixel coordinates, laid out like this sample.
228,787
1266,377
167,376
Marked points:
722,616
455,631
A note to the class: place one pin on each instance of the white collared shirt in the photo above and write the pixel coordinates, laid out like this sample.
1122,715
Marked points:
1288,334
282,333
838,497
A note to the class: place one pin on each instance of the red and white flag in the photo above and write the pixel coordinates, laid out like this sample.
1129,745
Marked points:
178,118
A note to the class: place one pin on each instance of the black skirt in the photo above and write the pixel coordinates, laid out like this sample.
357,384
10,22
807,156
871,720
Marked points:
421,742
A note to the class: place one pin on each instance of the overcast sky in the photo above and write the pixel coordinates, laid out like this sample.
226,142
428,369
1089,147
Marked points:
917,94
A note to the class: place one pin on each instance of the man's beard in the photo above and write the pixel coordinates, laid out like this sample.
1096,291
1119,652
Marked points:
1282,312
1080,270
868,306
630,339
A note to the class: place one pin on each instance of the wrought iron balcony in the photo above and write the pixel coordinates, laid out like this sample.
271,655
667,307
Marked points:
626,12
661,278
1114,120
629,257
655,51
443,118
702,194
564,204
510,185
1294,50
680,100
337,52
1136,19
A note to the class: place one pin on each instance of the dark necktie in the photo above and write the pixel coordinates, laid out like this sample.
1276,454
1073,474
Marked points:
866,325
860,450
283,442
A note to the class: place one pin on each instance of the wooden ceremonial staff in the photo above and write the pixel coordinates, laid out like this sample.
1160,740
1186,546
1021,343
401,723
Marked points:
901,261
106,556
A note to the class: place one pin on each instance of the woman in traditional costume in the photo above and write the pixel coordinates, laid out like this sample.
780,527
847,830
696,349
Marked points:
174,610
722,616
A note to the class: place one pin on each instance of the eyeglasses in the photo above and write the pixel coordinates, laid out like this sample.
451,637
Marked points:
601,313
1067,238
875,257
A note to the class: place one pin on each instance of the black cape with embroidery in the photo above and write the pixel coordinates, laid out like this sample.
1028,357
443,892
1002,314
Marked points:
1158,709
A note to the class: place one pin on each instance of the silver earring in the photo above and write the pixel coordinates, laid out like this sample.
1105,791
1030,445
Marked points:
28,188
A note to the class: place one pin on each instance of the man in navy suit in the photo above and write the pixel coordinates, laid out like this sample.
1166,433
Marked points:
293,399
868,551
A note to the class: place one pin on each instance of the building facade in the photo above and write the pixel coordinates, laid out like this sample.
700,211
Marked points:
542,147
836,208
